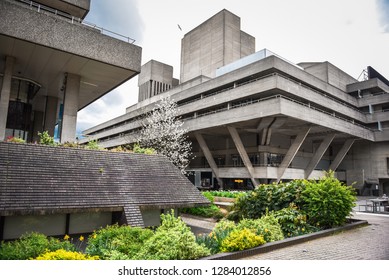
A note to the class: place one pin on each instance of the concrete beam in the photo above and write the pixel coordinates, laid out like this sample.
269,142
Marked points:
209,157
292,152
243,154
5,94
319,154
341,154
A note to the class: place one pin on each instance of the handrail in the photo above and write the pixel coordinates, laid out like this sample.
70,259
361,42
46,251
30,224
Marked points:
77,20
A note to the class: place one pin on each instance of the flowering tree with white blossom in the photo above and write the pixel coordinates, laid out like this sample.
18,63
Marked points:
162,130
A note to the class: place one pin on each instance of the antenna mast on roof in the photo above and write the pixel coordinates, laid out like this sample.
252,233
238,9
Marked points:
363,76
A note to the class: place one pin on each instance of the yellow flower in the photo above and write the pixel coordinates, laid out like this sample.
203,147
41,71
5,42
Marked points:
303,229
94,236
81,238
266,230
66,237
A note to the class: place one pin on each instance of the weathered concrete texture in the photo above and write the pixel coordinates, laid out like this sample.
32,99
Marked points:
45,29
215,43
76,8
155,78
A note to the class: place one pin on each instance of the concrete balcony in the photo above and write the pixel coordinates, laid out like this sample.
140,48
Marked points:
47,45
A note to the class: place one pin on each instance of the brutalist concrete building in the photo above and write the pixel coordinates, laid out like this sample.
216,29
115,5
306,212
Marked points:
254,117
53,63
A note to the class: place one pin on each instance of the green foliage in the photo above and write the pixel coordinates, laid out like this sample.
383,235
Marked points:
15,140
293,221
93,145
139,150
70,145
31,245
213,241
211,211
267,226
265,198
62,254
173,240
241,239
117,242
327,202
228,194
46,139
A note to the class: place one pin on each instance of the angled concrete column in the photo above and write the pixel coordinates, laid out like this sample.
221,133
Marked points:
319,154
341,154
5,94
243,154
50,114
292,152
209,157
69,121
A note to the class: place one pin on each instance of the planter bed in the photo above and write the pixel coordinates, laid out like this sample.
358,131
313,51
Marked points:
286,242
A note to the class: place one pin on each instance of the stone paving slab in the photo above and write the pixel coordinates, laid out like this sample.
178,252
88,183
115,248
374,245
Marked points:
365,243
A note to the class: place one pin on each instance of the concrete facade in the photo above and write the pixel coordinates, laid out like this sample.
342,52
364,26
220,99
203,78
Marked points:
215,43
49,42
264,119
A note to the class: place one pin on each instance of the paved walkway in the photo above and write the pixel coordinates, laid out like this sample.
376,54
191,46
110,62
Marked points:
365,243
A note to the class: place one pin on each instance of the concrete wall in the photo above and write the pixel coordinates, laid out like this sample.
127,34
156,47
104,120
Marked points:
370,157
155,77
216,42
329,73
49,30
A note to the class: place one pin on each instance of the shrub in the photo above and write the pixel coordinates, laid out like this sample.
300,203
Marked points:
292,221
31,245
264,198
62,254
173,240
267,226
211,211
46,139
241,239
138,150
214,240
117,242
15,140
93,145
229,194
327,202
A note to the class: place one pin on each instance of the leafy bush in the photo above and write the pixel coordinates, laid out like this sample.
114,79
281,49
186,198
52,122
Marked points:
138,150
214,240
15,140
241,239
31,245
292,221
267,226
46,139
173,240
117,242
62,254
228,194
211,211
93,145
273,197
327,202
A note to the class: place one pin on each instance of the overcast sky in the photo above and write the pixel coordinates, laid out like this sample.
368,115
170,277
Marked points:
351,34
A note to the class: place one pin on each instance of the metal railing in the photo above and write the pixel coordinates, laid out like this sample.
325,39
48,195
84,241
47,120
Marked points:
76,20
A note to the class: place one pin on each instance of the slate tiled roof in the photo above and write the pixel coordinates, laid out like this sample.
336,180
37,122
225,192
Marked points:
36,179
